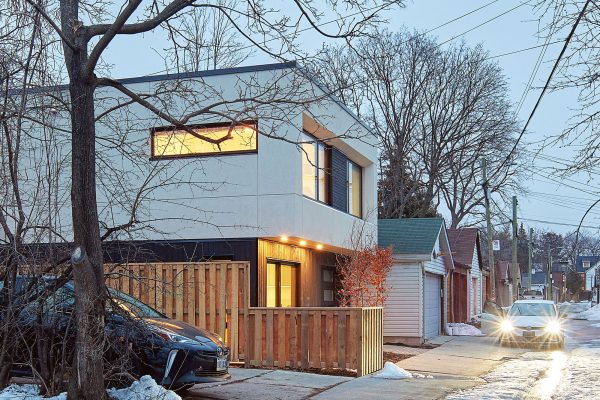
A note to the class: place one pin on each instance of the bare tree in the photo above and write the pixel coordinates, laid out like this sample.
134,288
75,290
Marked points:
578,70
437,114
84,31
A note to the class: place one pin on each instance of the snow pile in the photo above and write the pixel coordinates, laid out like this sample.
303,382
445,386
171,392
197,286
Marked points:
145,388
511,380
27,392
593,314
459,329
392,371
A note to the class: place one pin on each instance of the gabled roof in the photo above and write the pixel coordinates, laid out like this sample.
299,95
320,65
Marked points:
463,243
409,235
580,259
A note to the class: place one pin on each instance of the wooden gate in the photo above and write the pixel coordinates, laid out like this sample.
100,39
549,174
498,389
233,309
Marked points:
212,296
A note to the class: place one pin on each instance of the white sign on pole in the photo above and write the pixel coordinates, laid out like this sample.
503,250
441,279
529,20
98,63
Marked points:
496,245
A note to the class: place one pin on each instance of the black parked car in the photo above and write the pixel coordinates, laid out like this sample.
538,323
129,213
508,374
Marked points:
177,355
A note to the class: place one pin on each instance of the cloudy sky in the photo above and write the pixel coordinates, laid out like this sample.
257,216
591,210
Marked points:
502,26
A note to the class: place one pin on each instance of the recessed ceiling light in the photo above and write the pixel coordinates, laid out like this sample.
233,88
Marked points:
303,243
283,238
319,246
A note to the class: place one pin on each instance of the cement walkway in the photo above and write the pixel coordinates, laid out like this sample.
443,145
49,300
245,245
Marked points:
456,364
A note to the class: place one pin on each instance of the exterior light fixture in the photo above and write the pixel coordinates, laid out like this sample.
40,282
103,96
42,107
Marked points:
283,238
319,246
303,243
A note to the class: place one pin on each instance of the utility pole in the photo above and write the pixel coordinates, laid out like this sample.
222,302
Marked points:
514,267
490,233
530,256
549,275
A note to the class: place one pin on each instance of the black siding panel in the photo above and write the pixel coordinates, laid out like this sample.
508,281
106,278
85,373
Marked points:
339,180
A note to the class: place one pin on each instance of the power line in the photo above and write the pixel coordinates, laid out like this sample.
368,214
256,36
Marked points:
558,223
557,62
523,50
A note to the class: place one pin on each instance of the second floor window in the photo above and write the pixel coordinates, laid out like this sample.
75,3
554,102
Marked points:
354,189
316,166
174,143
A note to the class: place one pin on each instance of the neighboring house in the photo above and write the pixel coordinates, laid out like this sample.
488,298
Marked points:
590,276
584,263
415,308
284,192
504,284
466,280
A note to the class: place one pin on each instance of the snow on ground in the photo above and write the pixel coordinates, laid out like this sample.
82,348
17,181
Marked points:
572,310
26,392
144,389
581,377
593,314
459,329
511,380
392,371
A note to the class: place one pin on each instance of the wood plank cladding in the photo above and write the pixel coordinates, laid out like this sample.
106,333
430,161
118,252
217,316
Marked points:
309,262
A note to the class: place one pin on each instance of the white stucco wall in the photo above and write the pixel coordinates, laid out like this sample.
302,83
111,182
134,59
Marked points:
233,196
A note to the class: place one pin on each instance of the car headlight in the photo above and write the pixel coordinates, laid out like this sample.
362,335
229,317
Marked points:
172,337
553,327
506,326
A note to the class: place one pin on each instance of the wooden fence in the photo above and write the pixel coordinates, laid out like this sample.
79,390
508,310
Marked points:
212,296
309,337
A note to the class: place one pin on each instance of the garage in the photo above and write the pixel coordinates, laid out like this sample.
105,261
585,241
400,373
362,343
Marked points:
432,307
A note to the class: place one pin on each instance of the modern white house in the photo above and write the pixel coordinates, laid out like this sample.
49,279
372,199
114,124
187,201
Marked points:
416,304
293,175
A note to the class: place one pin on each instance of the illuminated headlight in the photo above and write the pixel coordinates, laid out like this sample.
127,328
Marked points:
506,326
553,327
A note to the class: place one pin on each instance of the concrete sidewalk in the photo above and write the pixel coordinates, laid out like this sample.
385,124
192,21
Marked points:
457,364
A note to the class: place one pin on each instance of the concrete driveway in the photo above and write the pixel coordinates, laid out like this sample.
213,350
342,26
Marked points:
456,364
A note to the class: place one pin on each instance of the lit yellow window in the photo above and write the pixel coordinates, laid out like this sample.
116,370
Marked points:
174,143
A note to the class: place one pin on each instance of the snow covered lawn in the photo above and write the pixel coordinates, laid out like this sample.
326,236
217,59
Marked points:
144,389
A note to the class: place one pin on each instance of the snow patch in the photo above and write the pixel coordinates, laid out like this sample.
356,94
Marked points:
144,389
459,329
392,371
593,314
27,392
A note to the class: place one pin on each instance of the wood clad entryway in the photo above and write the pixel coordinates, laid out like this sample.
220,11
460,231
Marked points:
308,278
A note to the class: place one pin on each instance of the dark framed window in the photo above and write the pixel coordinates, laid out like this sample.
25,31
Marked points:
354,189
316,169
329,286
170,142
282,284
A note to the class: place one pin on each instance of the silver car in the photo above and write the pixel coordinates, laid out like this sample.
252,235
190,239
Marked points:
532,322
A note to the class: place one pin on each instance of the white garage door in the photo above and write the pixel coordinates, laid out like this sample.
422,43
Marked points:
433,305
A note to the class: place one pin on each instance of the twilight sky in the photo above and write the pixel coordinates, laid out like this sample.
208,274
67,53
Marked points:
505,26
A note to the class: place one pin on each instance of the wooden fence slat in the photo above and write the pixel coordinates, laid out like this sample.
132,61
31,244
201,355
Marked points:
212,299
233,326
222,313
269,337
315,353
304,339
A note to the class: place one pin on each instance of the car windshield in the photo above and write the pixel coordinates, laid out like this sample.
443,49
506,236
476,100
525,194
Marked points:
532,309
133,306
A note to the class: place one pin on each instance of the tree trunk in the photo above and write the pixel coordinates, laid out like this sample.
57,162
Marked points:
87,379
